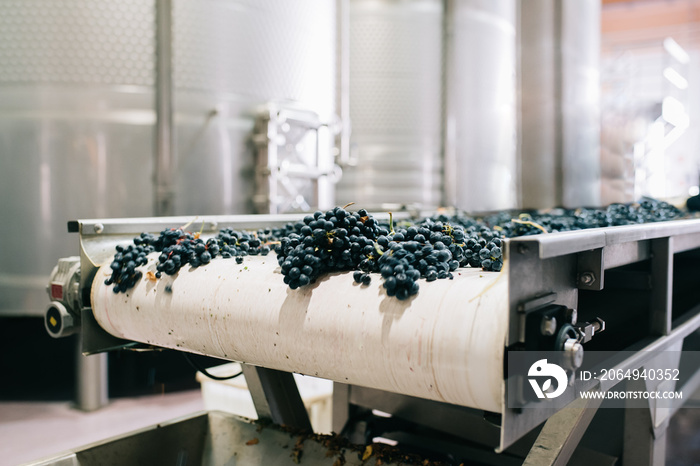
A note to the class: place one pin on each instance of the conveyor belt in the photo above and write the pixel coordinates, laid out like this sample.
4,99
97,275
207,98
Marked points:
444,344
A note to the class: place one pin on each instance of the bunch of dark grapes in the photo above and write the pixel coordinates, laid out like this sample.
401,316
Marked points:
491,256
178,248
238,244
336,240
534,223
430,249
340,240
485,254
124,273
400,276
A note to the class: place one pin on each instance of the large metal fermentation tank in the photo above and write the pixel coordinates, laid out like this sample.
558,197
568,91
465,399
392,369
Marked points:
580,102
560,105
519,118
231,58
79,120
395,86
481,171
76,130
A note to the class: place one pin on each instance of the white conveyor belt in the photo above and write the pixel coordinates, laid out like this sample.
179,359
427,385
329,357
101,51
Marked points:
445,344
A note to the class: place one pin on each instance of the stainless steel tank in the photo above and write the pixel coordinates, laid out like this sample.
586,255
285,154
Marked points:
540,129
77,113
395,103
231,57
481,172
76,130
559,89
580,102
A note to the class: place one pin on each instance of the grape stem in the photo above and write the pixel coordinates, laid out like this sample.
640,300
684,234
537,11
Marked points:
184,227
391,223
531,223
489,286
199,234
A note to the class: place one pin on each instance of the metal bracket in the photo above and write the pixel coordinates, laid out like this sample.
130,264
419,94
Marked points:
591,270
94,339
526,307
294,168
276,397
536,303
661,285
341,406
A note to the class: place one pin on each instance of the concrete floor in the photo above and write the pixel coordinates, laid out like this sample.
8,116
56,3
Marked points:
34,430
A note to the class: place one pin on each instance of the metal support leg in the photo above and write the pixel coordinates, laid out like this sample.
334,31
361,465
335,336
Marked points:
643,445
341,406
91,380
661,285
562,433
276,397
645,428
